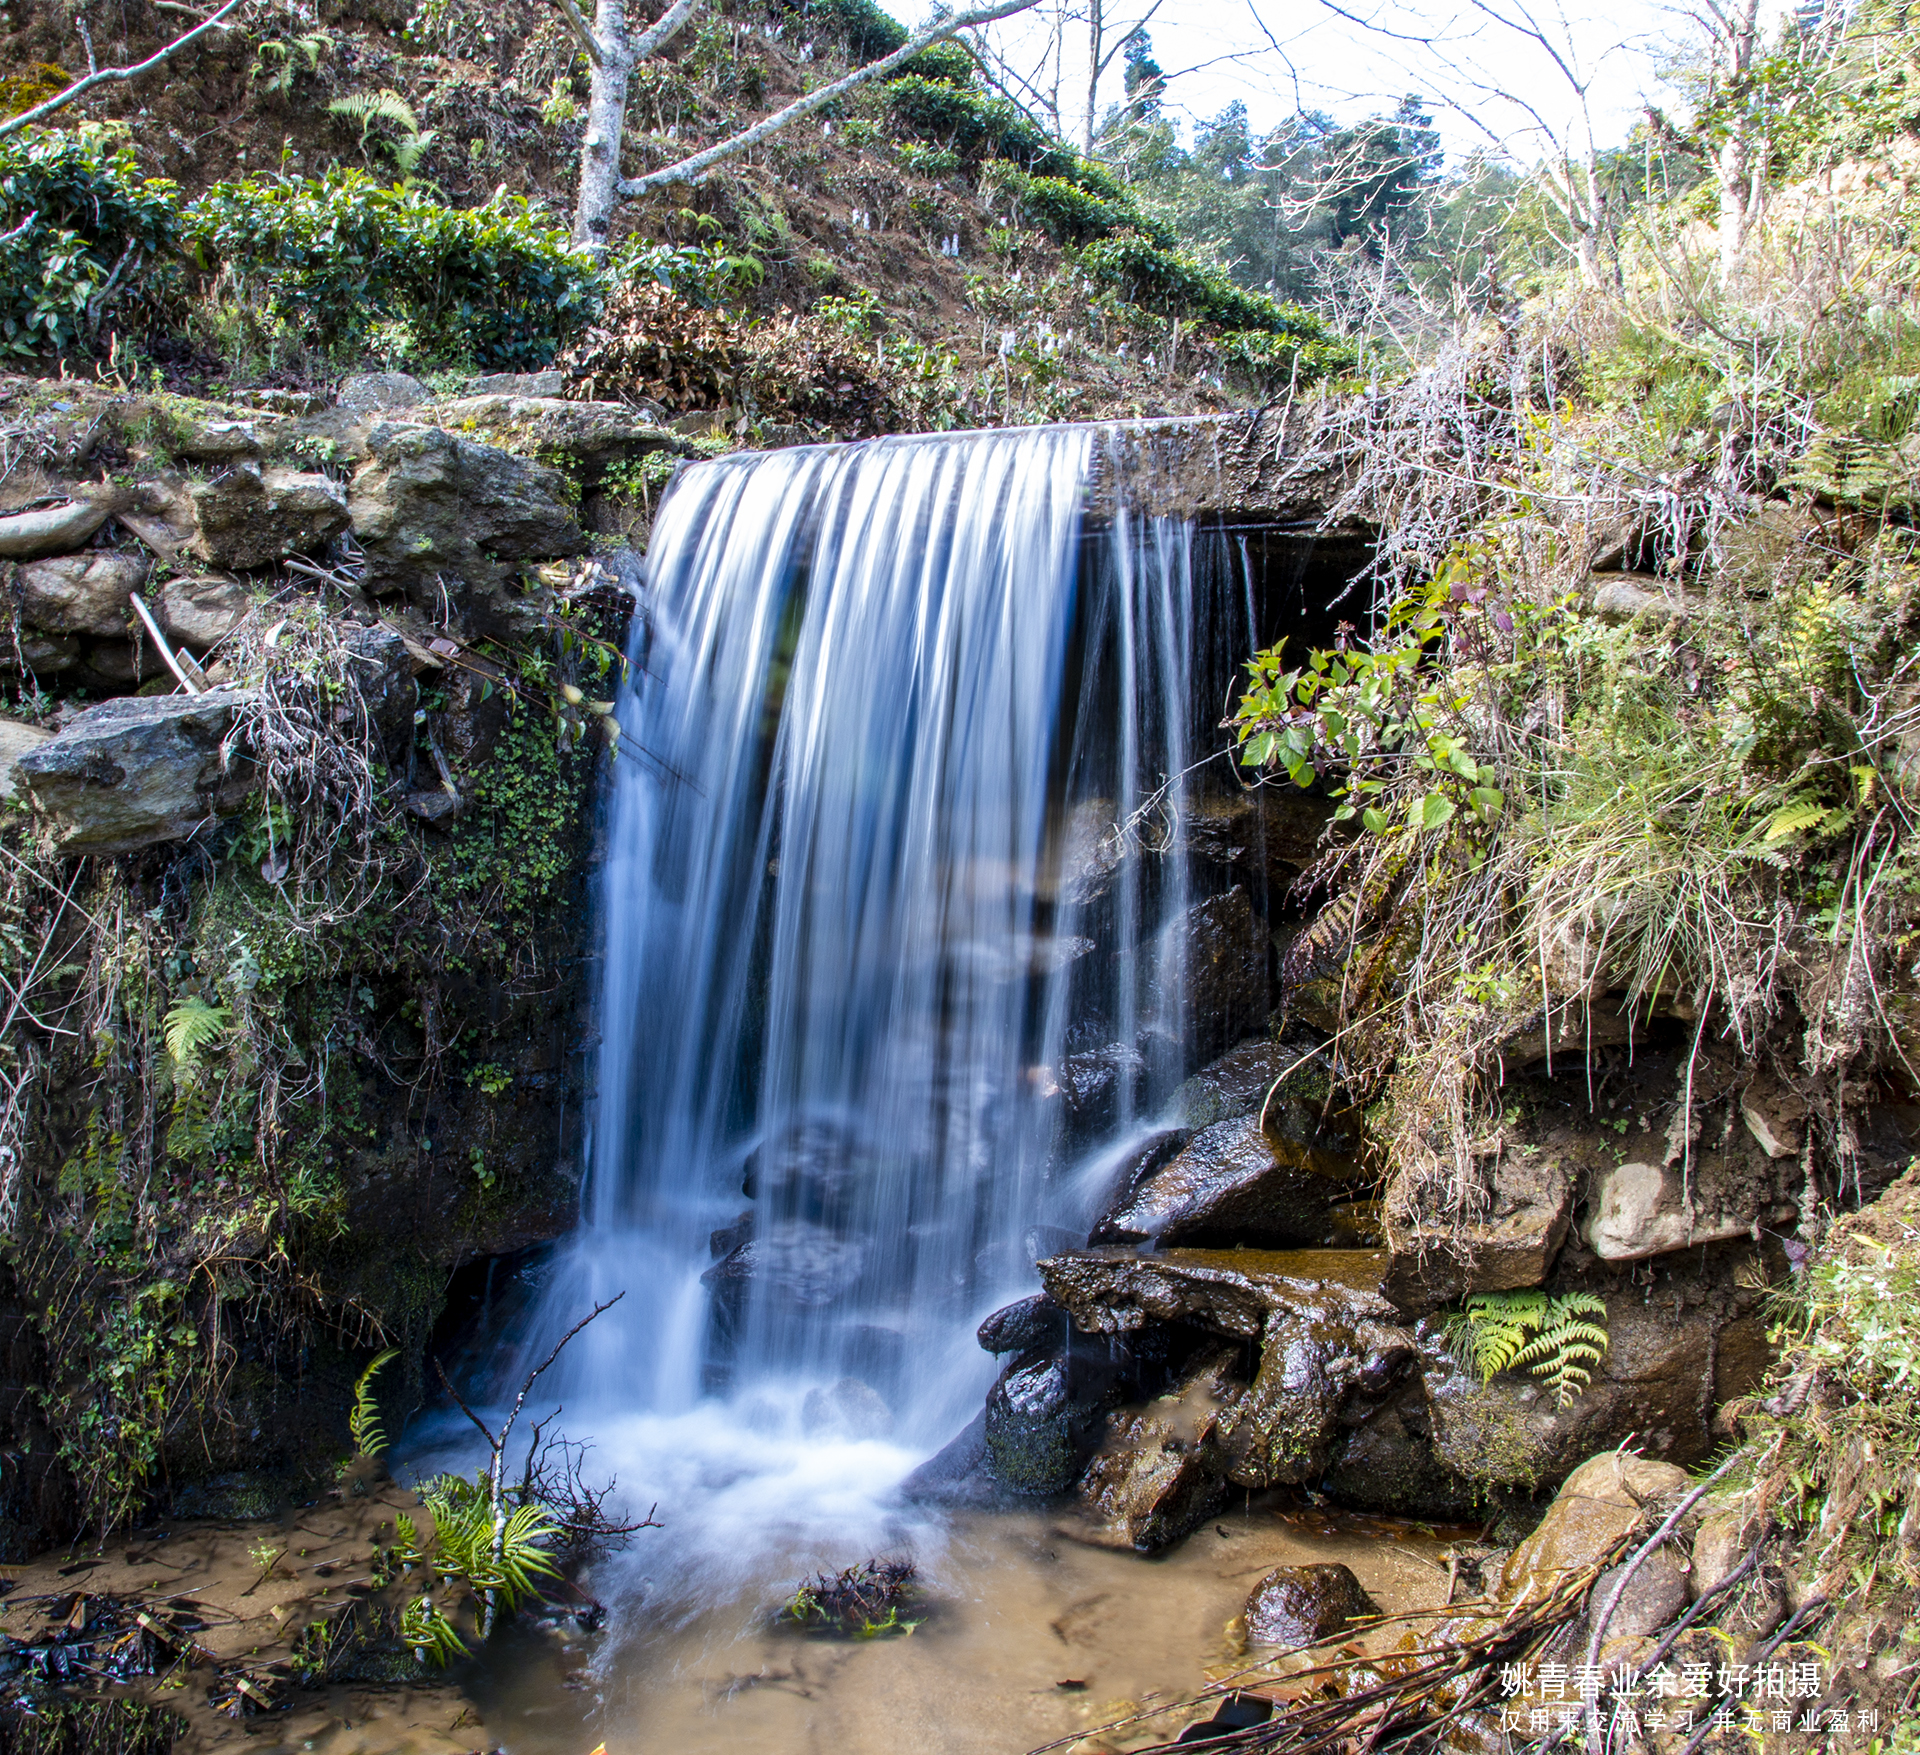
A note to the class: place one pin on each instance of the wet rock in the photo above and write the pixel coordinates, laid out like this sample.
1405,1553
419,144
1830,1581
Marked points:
1596,1510
815,1170
371,392
1271,834
1234,1085
1649,1209
1033,1323
1135,1169
1328,1339
1301,1605
252,516
1386,1463
727,1238
50,530
796,1264
15,741
1228,1291
1221,945
1229,1184
201,611
1655,1593
960,1473
86,593
1159,1472
848,1409
1029,1425
1092,1086
136,771
1321,1362
434,512
382,675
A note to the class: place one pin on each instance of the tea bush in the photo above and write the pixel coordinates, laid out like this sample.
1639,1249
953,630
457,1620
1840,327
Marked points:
335,257
79,229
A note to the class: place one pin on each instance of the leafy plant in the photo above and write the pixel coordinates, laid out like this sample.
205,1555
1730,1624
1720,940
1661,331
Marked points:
334,258
863,1602
80,231
363,1424
430,1633
190,1026
1554,1337
371,109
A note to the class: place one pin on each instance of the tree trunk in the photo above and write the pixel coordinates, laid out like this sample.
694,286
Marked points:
606,124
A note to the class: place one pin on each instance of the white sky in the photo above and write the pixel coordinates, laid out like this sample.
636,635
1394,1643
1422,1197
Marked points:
1279,56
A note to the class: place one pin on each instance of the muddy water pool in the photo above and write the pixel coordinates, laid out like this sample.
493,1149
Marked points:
1029,1637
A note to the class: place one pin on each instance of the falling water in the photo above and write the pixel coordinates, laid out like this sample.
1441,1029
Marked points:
879,971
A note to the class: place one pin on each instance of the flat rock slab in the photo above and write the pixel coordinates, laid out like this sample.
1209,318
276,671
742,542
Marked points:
137,771
1231,1291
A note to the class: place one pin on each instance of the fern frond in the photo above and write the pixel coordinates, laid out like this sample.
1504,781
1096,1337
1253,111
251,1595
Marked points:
190,1026
1493,1328
363,1424
430,1633
406,1541
367,108
1790,819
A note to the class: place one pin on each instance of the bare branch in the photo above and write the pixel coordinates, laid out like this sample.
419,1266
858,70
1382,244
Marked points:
570,11
111,75
815,101
669,25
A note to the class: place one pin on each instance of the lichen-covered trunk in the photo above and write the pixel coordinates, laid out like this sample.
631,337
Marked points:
606,122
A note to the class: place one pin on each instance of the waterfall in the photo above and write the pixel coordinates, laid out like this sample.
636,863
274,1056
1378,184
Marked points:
878,967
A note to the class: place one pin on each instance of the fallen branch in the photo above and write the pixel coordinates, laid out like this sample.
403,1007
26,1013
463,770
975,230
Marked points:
111,75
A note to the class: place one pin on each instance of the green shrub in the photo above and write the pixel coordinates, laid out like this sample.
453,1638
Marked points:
953,115
338,257
1275,359
1175,284
1067,212
868,33
950,62
79,228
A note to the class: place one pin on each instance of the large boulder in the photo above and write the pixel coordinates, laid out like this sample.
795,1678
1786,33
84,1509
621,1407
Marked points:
85,593
382,673
376,392
1303,1605
253,515
27,649
1597,1508
136,771
439,514
1230,1184
1328,1340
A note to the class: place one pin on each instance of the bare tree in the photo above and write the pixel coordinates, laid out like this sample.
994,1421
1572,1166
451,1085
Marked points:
115,75
615,53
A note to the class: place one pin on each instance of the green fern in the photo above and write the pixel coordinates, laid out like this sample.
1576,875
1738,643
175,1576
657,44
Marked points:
430,1633
463,1529
190,1026
363,1424
407,1547
1556,1339
371,108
